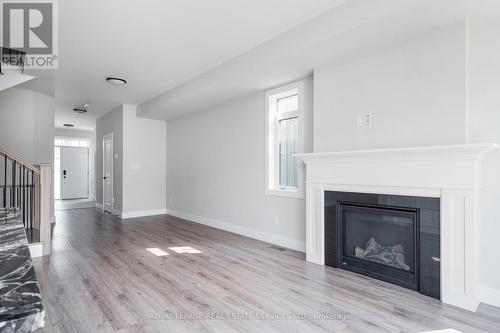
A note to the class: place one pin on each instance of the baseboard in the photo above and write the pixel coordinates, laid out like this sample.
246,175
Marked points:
75,205
244,231
115,212
490,296
143,213
36,250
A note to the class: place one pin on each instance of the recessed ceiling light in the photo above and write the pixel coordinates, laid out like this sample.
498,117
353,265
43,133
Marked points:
80,110
116,81
68,125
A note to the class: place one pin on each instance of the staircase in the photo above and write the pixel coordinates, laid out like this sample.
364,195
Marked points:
25,190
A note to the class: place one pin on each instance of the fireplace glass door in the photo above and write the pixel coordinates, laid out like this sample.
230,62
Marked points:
379,241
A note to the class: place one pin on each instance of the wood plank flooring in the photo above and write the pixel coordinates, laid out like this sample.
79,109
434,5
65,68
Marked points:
101,278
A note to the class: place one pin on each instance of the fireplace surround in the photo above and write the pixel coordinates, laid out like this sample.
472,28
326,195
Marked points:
387,237
448,173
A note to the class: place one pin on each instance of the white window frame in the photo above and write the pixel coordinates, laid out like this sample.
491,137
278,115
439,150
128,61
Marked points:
272,141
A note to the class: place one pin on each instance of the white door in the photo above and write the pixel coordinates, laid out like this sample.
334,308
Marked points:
107,182
75,172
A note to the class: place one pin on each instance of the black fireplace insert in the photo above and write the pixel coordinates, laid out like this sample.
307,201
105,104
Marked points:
387,237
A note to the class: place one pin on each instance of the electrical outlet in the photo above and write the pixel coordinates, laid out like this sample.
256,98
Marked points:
172,201
276,220
364,120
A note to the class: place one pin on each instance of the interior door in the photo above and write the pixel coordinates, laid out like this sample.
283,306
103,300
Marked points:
75,172
107,172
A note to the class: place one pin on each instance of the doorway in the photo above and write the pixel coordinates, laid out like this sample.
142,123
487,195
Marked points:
107,173
73,173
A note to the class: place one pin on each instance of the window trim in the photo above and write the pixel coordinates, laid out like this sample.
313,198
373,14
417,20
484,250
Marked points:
272,141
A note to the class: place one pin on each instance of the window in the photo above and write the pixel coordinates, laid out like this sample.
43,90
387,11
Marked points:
288,135
284,123
62,142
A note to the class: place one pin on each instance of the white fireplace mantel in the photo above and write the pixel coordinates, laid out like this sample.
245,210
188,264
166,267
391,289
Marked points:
451,173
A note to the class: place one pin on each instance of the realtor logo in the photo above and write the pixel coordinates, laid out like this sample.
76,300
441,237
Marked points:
30,27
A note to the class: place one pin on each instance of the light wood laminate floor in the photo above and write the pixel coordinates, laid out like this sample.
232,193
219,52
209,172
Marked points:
101,278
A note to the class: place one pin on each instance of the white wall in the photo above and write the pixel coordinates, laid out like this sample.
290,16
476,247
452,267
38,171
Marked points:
139,165
144,164
111,122
16,107
484,49
43,111
415,93
27,125
216,172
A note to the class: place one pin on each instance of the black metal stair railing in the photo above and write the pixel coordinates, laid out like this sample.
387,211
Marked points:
20,188
11,57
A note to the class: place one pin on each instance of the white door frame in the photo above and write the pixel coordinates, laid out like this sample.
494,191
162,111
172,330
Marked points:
106,136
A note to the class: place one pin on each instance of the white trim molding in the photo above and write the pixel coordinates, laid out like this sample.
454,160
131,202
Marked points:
143,213
451,173
244,231
490,296
36,250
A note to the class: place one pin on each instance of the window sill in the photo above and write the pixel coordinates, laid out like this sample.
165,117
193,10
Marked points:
296,194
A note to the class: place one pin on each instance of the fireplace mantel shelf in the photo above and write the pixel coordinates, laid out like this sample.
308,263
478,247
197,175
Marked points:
431,153
451,173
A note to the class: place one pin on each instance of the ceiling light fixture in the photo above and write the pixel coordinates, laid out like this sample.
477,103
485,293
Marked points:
68,125
116,81
80,110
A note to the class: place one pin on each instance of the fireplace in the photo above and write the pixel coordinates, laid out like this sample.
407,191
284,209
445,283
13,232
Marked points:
443,184
387,237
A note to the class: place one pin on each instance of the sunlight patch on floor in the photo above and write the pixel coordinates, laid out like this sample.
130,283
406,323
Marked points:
157,252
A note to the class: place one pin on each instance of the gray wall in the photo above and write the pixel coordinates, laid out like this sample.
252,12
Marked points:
111,122
216,169
484,66
144,163
415,92
27,125
44,117
75,133
16,125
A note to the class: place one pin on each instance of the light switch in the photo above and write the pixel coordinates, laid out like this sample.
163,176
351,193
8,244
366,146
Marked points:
364,120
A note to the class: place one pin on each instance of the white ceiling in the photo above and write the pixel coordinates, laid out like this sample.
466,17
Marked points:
181,56
353,29
155,45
